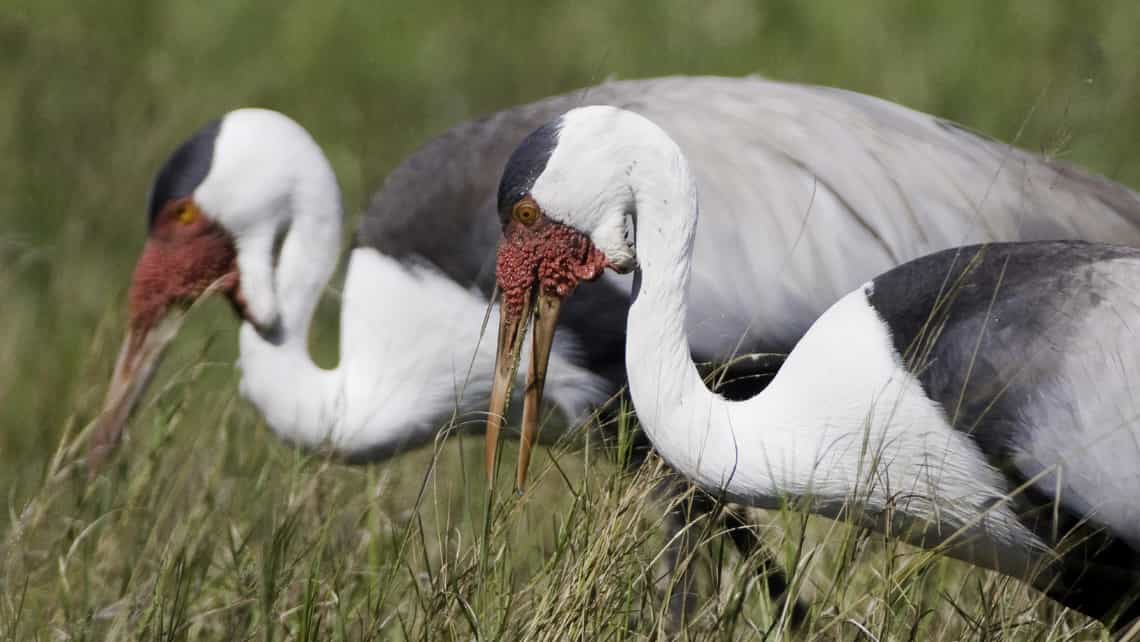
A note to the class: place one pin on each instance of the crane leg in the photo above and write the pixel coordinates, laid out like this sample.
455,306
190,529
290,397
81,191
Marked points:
692,516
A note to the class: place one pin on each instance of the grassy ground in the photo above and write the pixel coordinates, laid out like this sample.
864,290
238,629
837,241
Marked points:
211,529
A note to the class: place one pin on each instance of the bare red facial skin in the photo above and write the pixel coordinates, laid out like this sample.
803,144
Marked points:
186,254
179,263
558,257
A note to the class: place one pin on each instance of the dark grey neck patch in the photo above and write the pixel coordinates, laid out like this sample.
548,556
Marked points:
185,170
526,164
962,284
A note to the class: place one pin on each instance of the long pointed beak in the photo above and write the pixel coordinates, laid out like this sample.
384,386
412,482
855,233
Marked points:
545,319
550,258
138,359
512,328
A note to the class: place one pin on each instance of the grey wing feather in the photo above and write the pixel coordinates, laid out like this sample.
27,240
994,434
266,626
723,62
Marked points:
805,193
1031,349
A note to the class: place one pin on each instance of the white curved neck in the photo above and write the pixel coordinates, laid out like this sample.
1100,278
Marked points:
841,412
295,395
687,423
409,337
309,254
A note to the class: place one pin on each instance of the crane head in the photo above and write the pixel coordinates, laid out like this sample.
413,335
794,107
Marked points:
215,209
544,254
186,255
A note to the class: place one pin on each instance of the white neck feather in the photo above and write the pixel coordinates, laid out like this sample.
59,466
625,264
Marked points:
411,349
413,354
298,399
842,421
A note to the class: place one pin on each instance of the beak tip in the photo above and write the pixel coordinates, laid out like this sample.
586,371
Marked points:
101,444
96,455
544,311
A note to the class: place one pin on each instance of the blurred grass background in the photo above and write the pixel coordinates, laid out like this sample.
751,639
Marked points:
93,95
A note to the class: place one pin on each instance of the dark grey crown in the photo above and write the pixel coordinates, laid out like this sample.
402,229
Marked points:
186,168
525,165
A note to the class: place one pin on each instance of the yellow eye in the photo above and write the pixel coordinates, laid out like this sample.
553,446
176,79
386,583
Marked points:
186,213
526,211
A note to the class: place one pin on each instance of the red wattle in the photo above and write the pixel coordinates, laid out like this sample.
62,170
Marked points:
176,271
557,256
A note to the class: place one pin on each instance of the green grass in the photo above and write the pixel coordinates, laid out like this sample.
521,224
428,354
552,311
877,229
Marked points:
206,527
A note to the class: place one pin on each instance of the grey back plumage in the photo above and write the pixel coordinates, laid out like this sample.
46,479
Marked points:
1032,350
805,193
